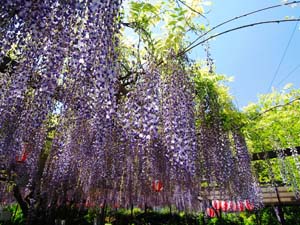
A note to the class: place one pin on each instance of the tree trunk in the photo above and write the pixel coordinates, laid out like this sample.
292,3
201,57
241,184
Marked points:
22,203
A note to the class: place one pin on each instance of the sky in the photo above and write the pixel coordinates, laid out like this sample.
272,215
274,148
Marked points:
253,55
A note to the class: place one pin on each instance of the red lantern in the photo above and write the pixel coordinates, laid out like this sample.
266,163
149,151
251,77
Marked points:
249,206
240,206
157,186
25,152
210,212
224,206
233,206
89,203
216,204
22,158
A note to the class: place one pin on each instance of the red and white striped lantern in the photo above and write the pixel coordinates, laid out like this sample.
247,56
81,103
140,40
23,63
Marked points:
210,212
240,206
232,206
216,204
249,206
225,206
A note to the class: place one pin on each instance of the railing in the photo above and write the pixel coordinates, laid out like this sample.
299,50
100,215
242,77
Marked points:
282,195
279,196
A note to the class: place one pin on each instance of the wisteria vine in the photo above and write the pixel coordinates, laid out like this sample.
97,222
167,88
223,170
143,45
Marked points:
143,148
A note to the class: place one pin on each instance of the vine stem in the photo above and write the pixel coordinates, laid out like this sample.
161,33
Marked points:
268,110
234,29
275,107
192,9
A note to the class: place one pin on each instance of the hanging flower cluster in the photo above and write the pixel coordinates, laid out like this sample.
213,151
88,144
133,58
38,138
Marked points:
179,133
245,185
224,157
179,121
289,172
65,53
158,125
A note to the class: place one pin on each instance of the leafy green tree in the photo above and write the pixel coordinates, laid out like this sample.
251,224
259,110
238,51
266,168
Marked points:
273,124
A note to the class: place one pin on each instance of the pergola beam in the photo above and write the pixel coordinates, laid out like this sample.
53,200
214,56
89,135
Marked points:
273,154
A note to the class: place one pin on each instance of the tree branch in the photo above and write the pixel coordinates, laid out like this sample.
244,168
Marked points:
238,17
135,26
275,107
128,72
234,29
190,8
266,111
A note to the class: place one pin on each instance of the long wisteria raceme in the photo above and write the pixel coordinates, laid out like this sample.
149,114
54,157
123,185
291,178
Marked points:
60,167
217,158
179,133
246,186
178,121
216,155
140,118
288,173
